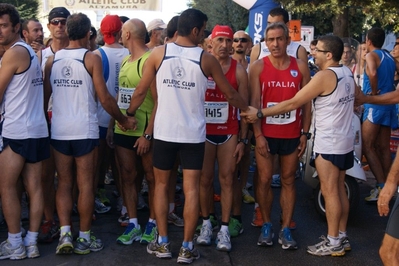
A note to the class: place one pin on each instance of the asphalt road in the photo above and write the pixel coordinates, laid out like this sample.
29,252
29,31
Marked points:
365,231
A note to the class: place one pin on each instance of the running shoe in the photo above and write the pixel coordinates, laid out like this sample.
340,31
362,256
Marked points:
149,233
235,227
8,252
276,181
292,225
85,247
124,219
223,242
32,251
286,240
132,233
246,197
173,218
160,250
205,235
141,205
373,195
102,196
187,256
324,248
345,243
266,235
214,222
257,220
99,207
48,232
65,245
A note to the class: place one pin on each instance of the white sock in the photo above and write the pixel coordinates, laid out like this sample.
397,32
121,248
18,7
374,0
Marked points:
224,228
31,238
134,221
256,205
342,234
65,229
85,235
171,207
124,210
152,221
15,239
333,240
206,222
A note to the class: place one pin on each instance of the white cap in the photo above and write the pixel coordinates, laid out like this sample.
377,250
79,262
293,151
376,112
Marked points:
156,24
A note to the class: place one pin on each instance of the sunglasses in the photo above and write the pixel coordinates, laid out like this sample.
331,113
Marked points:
240,40
56,22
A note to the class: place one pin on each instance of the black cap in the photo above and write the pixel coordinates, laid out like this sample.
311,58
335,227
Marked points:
58,12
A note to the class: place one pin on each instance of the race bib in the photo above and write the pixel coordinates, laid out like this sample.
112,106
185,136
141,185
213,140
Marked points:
216,112
281,119
124,97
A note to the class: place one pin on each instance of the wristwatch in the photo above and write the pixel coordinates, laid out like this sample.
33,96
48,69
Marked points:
245,141
147,137
130,114
307,134
259,114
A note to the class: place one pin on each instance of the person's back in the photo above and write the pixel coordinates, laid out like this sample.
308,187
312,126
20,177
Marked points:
73,91
184,89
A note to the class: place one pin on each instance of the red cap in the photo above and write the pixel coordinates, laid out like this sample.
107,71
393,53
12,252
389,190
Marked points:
223,31
110,25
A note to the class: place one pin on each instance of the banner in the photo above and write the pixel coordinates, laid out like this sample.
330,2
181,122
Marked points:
149,5
258,13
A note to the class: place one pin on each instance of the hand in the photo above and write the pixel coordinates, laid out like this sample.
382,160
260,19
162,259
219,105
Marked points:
37,46
303,140
360,98
250,114
110,138
384,197
129,123
143,145
262,146
239,151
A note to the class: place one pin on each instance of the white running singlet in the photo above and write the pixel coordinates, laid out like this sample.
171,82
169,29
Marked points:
181,86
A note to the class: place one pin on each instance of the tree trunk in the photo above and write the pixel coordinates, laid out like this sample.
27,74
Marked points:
341,24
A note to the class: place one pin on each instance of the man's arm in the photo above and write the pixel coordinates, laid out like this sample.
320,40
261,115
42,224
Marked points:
372,63
386,98
93,62
390,188
46,83
302,54
149,72
307,107
212,68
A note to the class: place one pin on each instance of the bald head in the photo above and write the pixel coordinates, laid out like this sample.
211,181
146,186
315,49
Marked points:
136,28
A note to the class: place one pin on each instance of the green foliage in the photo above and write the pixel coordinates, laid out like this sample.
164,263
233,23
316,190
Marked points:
26,8
224,12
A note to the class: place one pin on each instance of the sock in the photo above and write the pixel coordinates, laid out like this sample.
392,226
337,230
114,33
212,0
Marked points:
188,245
333,240
171,207
256,205
163,239
65,229
206,221
124,210
237,217
152,221
15,239
134,221
31,238
224,228
342,234
85,235
380,185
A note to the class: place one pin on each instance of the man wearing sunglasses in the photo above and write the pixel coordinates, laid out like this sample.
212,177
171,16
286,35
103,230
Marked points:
241,43
49,230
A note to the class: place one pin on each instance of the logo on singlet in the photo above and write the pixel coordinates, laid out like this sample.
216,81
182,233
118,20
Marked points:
38,71
294,73
347,87
67,71
179,72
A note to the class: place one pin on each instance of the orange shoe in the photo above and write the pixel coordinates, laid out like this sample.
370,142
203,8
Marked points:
216,197
257,220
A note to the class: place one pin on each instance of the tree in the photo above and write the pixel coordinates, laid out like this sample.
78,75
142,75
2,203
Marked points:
363,13
224,12
26,8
